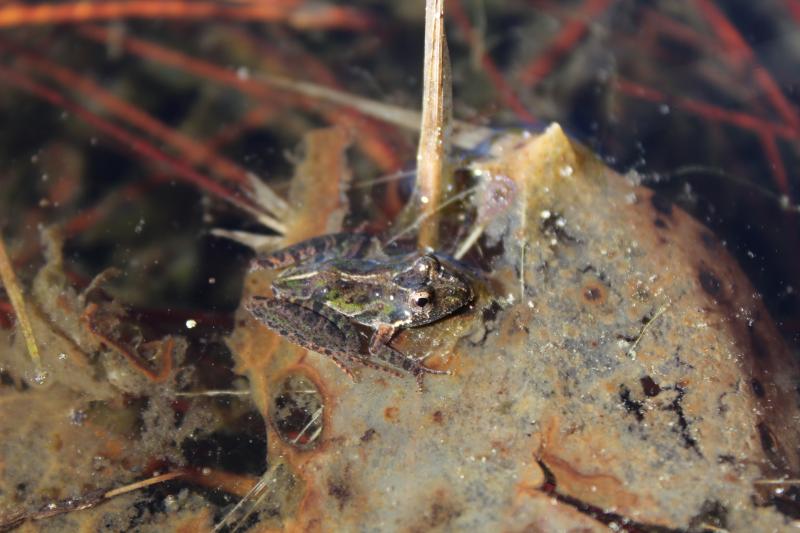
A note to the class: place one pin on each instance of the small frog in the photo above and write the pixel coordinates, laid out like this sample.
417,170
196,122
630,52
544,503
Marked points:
333,282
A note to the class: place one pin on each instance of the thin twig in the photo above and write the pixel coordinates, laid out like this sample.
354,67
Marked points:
314,418
142,484
471,239
254,492
632,351
18,303
213,393
424,216
789,481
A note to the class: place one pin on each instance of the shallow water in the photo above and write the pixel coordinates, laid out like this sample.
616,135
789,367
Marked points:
135,137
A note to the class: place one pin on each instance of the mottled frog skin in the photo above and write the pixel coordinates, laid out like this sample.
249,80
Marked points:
333,283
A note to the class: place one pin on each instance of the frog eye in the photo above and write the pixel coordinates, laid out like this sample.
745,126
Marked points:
421,299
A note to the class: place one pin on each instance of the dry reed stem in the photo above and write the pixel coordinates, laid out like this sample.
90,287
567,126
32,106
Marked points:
18,303
436,119
142,484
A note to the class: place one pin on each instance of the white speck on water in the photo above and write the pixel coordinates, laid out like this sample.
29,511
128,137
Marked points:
40,377
566,171
62,356
243,73
77,417
664,109
424,199
139,226
630,198
45,176
545,214
191,323
212,281
171,504
750,254
561,222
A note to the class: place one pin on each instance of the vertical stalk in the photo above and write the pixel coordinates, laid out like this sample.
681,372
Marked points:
434,129
18,303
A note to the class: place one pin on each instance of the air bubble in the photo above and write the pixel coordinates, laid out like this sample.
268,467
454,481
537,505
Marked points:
40,377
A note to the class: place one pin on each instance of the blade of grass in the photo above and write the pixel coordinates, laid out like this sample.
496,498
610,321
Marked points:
18,303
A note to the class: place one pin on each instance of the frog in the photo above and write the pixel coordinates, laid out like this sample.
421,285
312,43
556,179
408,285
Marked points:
330,285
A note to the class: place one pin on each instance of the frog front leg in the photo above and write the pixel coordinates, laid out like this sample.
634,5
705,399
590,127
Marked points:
380,349
412,365
381,337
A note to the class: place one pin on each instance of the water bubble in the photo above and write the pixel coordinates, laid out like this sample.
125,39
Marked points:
171,504
77,417
139,226
40,377
191,323
566,171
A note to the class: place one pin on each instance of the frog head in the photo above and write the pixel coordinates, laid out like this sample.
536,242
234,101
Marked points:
429,290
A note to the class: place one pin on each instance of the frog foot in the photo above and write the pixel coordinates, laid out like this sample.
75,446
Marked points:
420,370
